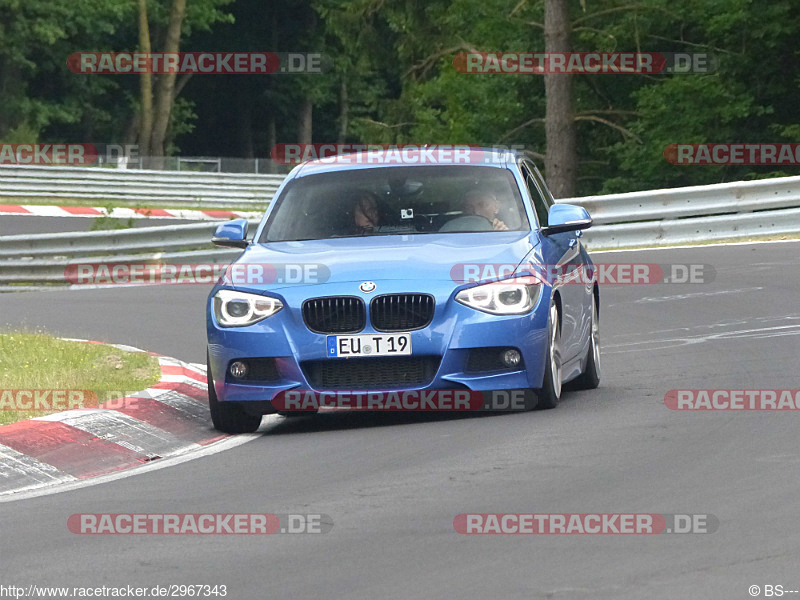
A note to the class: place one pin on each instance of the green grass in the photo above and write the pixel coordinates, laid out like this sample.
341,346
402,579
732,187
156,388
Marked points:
36,361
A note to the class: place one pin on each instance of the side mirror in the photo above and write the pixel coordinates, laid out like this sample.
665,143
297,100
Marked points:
566,217
232,234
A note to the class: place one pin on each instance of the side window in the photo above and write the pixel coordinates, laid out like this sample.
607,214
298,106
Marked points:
548,197
540,205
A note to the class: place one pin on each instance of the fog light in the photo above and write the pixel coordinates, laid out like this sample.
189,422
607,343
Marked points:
238,369
511,358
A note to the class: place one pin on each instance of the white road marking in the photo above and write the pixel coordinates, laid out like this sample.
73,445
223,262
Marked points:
649,334
211,449
16,465
693,246
42,211
650,299
760,332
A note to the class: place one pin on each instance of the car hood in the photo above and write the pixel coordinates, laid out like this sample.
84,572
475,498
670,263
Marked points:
433,257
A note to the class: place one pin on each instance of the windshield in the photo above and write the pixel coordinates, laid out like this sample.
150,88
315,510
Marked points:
397,201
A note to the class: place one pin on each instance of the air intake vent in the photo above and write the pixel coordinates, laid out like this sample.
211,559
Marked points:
336,314
371,373
401,312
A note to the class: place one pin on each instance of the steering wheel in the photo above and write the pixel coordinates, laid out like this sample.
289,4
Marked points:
467,223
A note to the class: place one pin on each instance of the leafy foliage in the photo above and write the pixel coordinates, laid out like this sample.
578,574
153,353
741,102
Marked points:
392,79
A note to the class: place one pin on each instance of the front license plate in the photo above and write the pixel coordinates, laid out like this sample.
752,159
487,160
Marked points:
396,344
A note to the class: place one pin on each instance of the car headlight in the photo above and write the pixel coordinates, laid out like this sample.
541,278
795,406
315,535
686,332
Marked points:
238,309
501,298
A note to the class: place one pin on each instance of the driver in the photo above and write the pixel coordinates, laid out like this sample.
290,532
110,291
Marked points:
484,204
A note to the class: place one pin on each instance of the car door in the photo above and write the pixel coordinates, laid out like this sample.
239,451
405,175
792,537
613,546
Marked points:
562,254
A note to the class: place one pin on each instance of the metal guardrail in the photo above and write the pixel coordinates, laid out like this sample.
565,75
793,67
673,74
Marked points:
701,200
695,230
33,260
56,271
98,243
652,218
132,187
742,209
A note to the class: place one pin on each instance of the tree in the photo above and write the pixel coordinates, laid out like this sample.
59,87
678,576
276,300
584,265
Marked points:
146,83
39,97
157,101
561,162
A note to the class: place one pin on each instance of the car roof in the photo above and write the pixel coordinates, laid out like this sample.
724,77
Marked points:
409,156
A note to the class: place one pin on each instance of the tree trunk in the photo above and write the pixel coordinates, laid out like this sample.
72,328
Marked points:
304,121
561,161
166,82
272,140
146,88
272,129
245,126
344,111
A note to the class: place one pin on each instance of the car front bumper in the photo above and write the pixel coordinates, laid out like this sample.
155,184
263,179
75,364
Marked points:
454,331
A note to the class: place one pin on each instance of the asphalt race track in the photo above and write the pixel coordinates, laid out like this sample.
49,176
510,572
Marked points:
392,483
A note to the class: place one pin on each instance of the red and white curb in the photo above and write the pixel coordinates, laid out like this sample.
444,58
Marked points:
125,213
165,423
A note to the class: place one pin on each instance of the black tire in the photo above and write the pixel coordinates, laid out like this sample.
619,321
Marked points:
228,417
590,378
550,392
528,403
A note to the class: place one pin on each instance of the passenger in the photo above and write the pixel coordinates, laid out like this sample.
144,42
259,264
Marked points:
365,212
484,204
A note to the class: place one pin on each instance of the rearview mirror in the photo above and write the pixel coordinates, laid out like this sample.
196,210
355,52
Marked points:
232,234
566,217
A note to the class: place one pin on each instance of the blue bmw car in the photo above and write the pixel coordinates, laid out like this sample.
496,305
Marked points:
413,272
